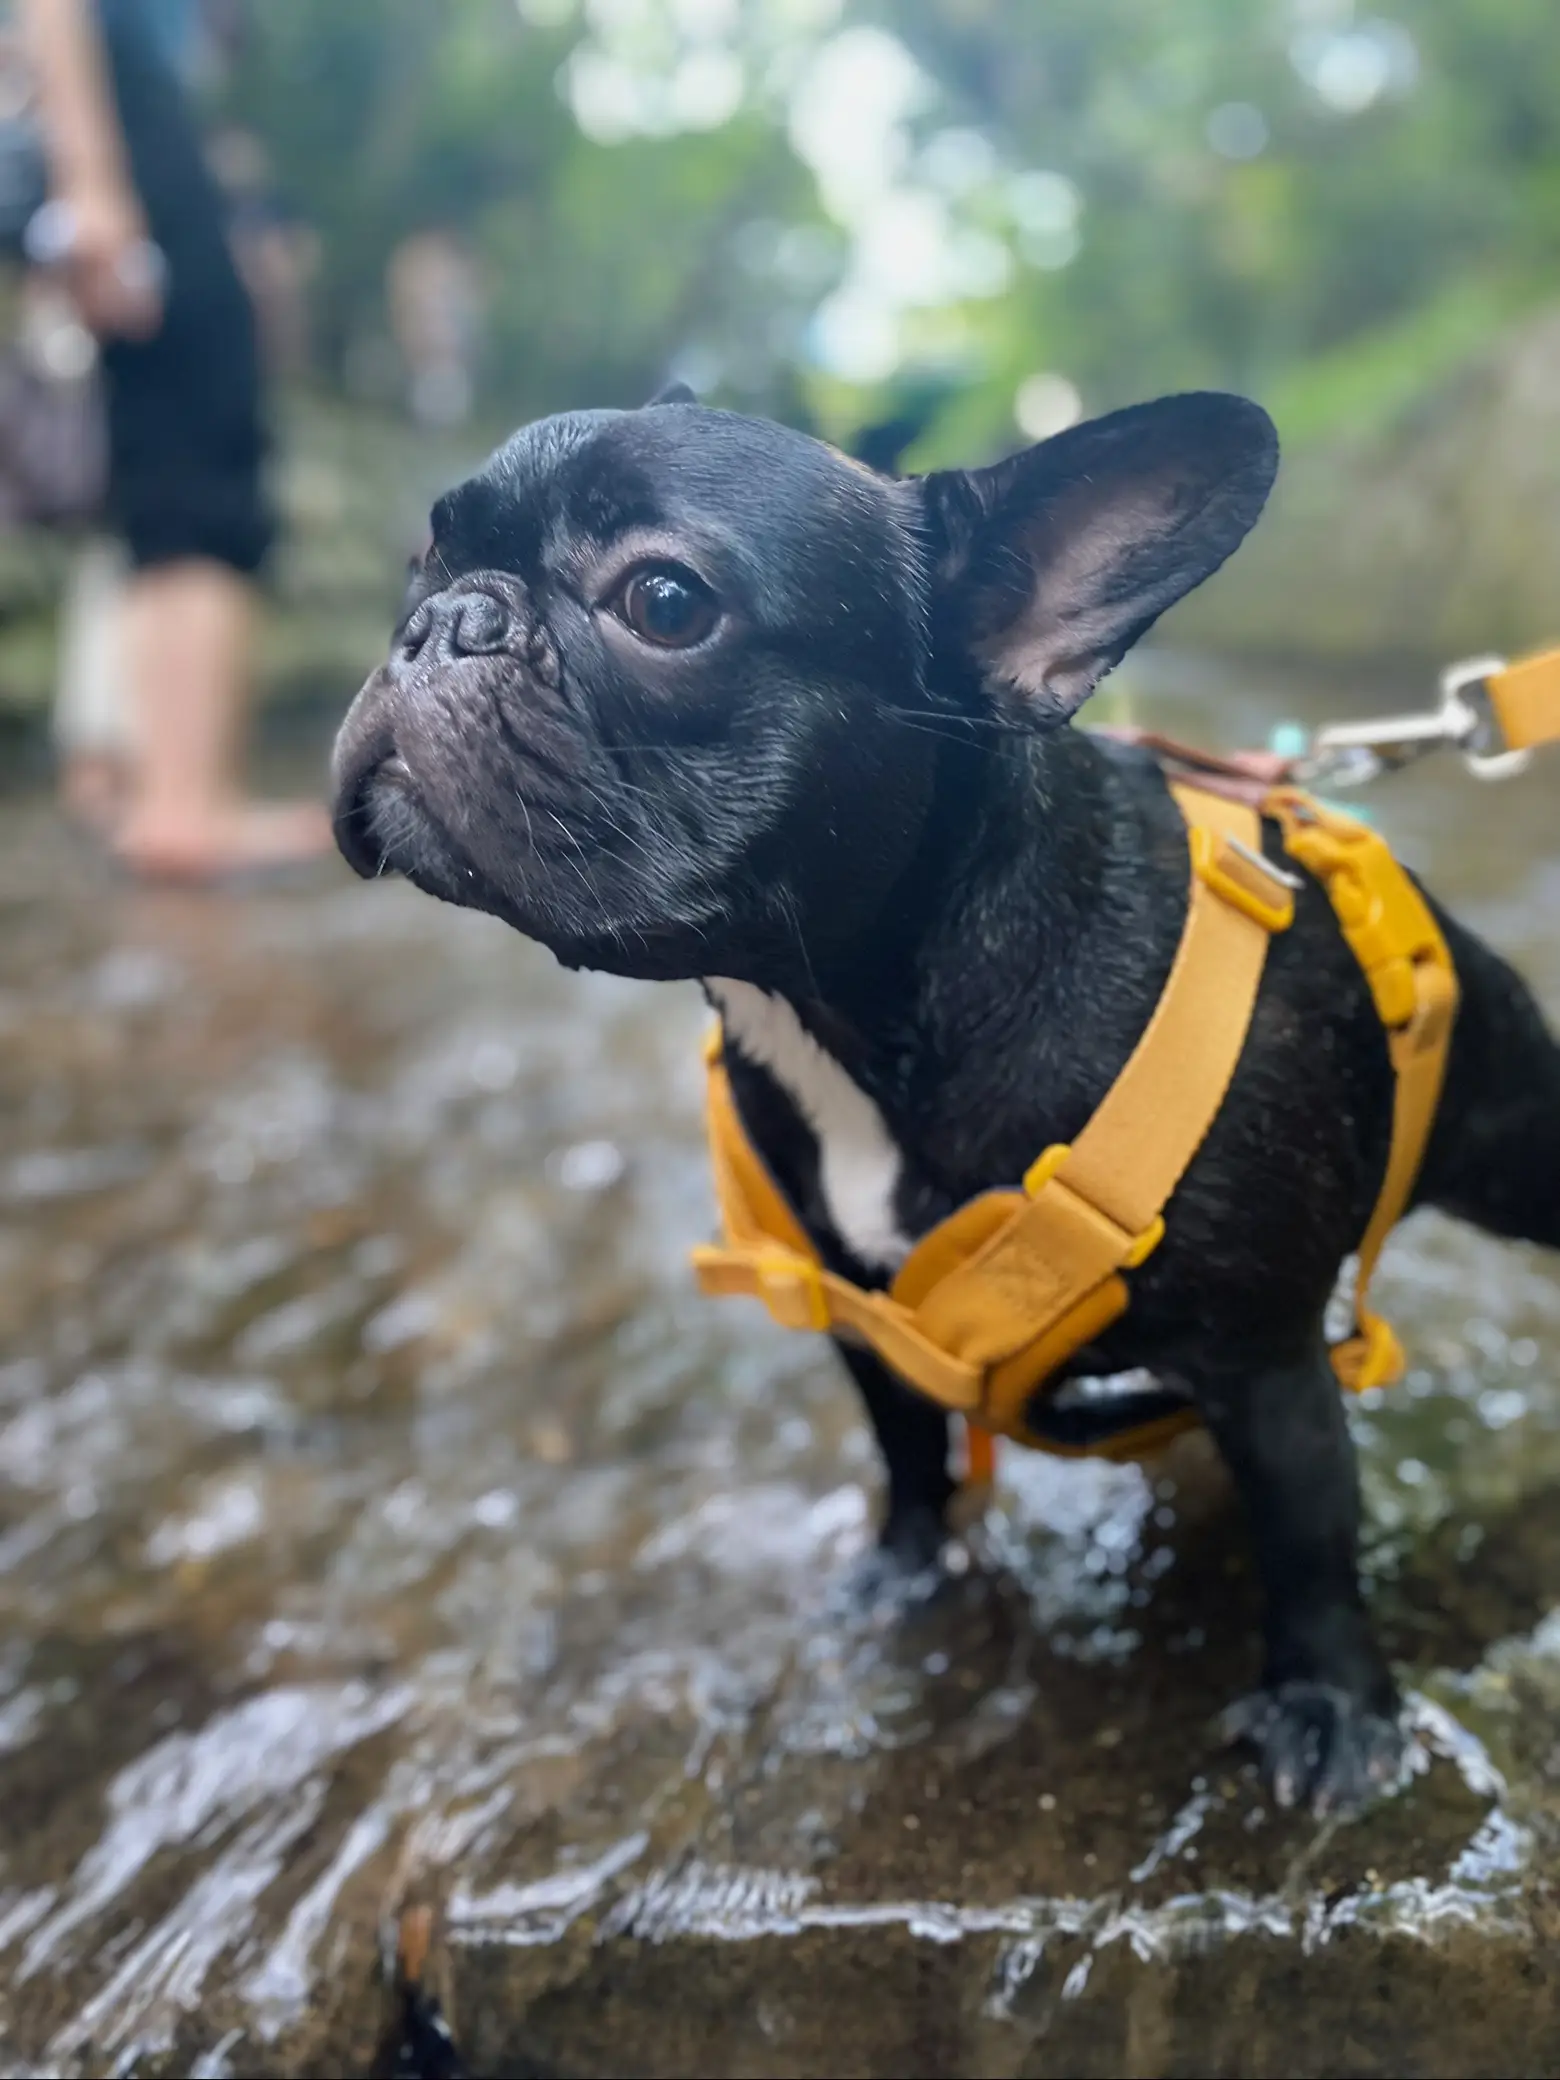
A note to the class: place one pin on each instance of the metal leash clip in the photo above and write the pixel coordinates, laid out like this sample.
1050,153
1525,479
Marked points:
1350,754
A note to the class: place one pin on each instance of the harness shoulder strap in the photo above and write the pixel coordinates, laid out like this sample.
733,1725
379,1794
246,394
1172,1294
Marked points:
1095,1207
1001,1293
1133,1152
1393,934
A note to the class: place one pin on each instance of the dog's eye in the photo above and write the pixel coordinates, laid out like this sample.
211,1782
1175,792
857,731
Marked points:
668,606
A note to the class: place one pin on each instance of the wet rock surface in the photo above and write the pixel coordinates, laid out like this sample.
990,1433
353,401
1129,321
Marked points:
386,1524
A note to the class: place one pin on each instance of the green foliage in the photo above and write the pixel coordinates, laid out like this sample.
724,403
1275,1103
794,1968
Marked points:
1355,233
1384,236
603,263
385,117
628,258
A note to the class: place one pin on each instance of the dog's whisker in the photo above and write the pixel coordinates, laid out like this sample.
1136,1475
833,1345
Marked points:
960,729
525,811
790,910
579,870
617,829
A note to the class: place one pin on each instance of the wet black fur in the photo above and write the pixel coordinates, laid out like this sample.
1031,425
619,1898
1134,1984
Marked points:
863,793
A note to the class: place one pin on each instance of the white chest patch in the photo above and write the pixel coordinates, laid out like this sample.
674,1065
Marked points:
858,1161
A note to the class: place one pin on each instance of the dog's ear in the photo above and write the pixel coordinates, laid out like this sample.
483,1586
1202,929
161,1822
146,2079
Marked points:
672,393
1050,565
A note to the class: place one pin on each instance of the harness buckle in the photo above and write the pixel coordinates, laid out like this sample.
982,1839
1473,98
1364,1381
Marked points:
1385,920
792,1289
1244,878
1435,1005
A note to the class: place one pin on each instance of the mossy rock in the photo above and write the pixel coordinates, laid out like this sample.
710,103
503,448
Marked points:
1432,536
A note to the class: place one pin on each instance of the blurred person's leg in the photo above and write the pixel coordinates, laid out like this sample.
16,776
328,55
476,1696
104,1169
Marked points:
91,707
189,629
187,452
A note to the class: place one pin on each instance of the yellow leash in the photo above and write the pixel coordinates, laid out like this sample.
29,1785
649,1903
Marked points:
1524,699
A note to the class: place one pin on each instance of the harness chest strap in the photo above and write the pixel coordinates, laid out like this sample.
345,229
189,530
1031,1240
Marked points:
1001,1293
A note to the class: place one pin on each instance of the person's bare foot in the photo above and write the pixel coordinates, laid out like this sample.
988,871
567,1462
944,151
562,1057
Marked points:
93,788
248,838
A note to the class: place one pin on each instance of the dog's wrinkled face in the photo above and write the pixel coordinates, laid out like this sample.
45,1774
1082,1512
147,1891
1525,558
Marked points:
643,649
659,691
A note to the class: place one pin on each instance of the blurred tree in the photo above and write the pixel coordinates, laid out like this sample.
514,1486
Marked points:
604,263
1293,196
1260,184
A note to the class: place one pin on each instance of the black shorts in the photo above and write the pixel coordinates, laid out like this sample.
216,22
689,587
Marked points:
185,434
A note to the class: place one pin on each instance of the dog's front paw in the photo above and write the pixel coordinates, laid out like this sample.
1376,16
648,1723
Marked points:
906,1564
913,1539
1318,1746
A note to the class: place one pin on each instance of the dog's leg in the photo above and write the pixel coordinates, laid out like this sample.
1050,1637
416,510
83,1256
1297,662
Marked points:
912,1434
1325,1721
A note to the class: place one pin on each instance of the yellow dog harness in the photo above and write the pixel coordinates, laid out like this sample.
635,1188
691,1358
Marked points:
993,1302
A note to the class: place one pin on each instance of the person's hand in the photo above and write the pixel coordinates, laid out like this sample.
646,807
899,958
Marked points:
115,271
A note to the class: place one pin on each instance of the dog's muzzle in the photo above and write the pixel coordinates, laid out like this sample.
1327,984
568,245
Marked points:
364,762
370,777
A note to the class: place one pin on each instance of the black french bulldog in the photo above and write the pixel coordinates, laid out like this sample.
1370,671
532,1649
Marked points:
684,694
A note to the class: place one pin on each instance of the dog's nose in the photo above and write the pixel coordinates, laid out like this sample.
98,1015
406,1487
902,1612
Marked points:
453,624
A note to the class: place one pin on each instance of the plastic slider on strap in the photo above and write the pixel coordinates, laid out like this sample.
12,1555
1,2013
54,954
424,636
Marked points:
792,1289
1435,1005
1044,1169
1244,878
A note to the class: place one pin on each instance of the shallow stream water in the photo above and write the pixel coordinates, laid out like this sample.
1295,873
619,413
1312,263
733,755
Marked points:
385,1521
